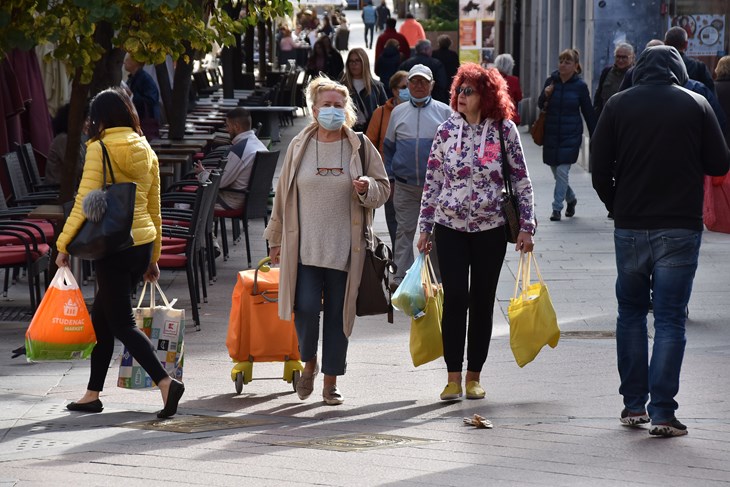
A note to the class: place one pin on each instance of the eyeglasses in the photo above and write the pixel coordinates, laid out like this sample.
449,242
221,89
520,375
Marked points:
329,171
403,87
468,91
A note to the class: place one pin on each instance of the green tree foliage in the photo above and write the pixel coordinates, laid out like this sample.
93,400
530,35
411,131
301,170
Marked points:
86,32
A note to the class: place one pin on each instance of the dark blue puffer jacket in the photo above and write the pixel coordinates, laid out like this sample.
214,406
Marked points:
563,125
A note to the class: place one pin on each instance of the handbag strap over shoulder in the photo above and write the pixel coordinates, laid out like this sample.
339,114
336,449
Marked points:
367,212
505,163
106,161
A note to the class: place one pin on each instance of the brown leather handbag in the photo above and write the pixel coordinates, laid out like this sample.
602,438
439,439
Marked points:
538,128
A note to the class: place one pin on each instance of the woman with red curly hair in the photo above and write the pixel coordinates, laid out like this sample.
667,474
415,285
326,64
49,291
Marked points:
462,205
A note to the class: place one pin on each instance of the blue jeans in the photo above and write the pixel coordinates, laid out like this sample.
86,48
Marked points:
659,265
563,191
321,289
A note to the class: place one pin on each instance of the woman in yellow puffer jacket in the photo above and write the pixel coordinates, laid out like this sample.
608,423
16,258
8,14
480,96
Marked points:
113,120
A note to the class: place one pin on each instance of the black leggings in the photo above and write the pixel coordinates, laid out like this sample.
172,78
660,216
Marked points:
458,252
112,315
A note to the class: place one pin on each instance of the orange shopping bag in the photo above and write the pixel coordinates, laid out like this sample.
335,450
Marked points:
61,328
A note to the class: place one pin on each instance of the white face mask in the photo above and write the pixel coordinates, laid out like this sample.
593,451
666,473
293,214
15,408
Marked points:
331,118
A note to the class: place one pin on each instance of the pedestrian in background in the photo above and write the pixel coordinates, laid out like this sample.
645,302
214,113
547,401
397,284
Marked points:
722,87
505,63
412,31
651,149
387,64
408,140
391,33
322,249
568,98
462,200
376,133
114,122
369,17
383,13
366,92
449,58
423,55
611,77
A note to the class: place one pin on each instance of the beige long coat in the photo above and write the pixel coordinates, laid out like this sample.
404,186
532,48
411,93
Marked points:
283,228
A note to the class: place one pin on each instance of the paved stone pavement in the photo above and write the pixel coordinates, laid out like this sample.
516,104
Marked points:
555,420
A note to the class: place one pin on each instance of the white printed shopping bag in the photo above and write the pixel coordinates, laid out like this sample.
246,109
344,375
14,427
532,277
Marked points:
165,327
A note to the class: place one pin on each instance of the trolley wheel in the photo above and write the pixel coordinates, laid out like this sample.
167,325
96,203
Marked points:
295,378
239,382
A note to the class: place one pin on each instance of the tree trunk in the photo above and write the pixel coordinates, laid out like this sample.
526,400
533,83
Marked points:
262,50
163,80
248,48
180,96
77,105
108,70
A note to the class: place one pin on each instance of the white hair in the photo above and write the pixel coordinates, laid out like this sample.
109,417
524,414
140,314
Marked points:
504,63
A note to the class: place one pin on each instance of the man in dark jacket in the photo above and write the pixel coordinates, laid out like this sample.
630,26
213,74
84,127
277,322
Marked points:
651,149
697,70
423,56
612,76
449,58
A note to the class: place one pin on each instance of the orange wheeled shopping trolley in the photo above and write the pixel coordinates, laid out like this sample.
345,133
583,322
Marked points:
255,332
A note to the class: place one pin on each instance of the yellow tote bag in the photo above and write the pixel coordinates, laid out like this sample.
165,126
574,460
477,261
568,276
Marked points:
532,320
425,341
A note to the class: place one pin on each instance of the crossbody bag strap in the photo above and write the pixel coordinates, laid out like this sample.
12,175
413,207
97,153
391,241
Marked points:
505,162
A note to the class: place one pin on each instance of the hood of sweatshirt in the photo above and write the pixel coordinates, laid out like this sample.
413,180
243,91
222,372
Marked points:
660,65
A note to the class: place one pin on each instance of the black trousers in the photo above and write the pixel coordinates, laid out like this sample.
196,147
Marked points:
112,314
460,254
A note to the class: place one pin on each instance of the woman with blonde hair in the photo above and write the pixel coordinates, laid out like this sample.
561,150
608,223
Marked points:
322,249
366,92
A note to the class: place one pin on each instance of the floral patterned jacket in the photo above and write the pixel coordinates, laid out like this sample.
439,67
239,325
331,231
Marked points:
464,184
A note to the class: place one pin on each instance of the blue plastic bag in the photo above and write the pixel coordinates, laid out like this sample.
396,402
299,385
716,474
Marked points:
410,297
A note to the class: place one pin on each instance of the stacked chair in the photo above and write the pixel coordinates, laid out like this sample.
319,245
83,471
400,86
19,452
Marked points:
186,233
24,243
256,204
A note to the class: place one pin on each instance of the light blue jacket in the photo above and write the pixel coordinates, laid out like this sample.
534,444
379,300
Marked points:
368,14
409,137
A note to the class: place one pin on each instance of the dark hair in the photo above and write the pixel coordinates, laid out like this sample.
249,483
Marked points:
60,121
112,108
677,38
444,41
390,22
492,89
410,16
241,116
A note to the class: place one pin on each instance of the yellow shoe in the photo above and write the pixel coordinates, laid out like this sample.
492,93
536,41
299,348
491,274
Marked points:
474,390
451,391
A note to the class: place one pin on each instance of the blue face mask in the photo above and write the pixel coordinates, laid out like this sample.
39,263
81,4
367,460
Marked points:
331,118
404,94
421,100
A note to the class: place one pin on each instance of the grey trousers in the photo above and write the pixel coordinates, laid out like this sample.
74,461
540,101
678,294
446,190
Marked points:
407,204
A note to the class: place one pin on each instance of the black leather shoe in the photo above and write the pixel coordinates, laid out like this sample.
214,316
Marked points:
86,407
570,208
176,391
555,216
